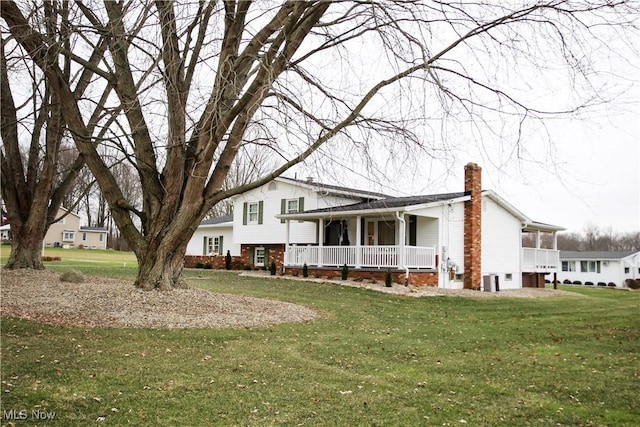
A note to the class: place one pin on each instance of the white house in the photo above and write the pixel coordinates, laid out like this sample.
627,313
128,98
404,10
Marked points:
598,267
471,238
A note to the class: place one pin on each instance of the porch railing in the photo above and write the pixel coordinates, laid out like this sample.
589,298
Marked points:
540,260
361,256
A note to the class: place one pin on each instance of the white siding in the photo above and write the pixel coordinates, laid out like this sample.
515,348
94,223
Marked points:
196,244
272,230
610,271
501,242
443,228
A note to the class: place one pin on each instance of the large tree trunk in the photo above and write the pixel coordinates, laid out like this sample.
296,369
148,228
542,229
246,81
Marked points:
26,248
160,265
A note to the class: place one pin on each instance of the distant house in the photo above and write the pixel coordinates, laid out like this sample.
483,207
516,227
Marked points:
471,238
67,233
599,267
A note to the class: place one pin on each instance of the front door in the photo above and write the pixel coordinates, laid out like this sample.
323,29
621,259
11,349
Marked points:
381,233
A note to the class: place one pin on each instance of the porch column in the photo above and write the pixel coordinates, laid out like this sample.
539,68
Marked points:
286,242
358,241
402,225
320,240
555,240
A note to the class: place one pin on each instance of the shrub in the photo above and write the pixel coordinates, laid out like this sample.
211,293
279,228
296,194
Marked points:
272,268
387,279
305,270
246,267
602,284
207,265
227,260
612,285
633,284
588,283
577,282
345,272
72,276
199,264
567,281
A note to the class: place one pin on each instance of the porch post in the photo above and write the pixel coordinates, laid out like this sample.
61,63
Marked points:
286,242
555,240
358,241
401,239
320,240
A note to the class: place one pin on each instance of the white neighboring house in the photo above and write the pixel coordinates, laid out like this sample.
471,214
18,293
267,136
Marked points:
472,237
599,267
67,233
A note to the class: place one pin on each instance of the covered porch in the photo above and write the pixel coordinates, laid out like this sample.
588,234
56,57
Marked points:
540,252
384,241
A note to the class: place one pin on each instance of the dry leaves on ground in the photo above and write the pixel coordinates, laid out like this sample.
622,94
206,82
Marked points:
105,302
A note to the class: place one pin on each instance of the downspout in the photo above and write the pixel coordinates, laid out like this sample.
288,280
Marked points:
403,224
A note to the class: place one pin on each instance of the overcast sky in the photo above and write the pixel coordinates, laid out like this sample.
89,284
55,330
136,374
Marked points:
573,171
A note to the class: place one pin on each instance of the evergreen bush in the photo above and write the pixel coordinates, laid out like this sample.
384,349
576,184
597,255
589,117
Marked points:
387,279
272,268
345,272
227,260
305,270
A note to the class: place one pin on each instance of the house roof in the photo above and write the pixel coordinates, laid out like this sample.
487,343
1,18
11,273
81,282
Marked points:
383,205
595,255
409,203
221,220
333,189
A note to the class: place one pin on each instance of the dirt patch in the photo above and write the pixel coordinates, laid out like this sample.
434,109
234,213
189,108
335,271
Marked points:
105,302
427,291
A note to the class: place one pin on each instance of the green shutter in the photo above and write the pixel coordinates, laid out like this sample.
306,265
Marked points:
283,208
260,209
204,246
220,246
301,204
244,213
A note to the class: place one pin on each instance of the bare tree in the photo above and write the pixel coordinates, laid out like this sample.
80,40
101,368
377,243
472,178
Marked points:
33,184
191,79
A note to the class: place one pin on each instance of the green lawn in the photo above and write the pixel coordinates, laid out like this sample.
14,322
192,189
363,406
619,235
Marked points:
372,359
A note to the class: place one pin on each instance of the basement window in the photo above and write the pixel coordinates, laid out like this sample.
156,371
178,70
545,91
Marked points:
459,277
508,276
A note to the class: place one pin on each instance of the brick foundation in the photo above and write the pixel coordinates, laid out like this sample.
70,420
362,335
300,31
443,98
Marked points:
273,252
472,227
416,278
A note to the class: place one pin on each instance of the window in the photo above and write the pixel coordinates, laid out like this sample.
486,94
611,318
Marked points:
292,206
626,270
84,236
60,221
590,266
252,213
508,277
568,266
213,245
258,259
67,236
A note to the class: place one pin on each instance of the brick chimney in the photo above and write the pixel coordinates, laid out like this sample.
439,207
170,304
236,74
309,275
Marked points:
472,227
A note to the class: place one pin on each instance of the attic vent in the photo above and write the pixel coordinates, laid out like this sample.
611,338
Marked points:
272,186
309,179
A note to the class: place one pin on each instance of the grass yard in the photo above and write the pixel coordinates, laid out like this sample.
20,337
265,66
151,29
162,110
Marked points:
372,359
